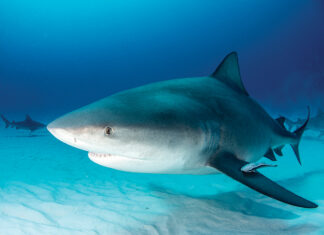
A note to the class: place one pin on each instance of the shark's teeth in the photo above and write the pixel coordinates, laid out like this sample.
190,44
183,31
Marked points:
99,155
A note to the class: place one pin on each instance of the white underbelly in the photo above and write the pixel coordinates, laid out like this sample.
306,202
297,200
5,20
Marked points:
149,166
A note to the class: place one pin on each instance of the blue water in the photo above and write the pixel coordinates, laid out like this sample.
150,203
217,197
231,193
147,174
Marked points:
56,56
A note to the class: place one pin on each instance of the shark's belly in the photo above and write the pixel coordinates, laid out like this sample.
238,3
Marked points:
158,166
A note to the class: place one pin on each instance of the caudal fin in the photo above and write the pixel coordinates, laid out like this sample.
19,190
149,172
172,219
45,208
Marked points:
298,133
5,121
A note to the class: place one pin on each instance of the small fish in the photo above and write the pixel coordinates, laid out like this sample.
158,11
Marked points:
252,167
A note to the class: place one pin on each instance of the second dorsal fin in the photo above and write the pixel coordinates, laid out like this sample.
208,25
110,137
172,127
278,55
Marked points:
28,118
229,73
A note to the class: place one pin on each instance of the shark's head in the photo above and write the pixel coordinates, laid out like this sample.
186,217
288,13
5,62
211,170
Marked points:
128,128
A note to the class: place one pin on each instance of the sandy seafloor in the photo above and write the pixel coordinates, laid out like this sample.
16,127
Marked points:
47,187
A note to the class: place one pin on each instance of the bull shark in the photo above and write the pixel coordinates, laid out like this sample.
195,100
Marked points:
27,124
199,125
316,123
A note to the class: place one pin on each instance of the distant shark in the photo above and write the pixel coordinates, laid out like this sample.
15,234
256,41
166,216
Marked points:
27,124
195,125
316,123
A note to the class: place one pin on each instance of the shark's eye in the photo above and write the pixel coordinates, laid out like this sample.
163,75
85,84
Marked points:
108,130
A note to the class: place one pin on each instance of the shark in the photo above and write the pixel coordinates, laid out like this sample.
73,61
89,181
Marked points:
27,124
316,123
198,125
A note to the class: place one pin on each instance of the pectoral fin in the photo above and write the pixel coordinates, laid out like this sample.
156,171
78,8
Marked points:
230,165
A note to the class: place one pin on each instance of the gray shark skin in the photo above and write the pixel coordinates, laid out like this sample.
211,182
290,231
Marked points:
198,125
27,124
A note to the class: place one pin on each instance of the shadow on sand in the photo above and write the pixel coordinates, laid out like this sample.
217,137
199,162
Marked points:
236,202
241,211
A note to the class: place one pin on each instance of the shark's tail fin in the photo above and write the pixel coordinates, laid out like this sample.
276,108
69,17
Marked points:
5,121
298,133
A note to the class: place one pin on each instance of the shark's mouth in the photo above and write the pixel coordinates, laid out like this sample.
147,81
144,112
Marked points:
103,156
100,155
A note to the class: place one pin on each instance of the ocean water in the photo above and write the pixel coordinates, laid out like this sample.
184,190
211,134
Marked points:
56,56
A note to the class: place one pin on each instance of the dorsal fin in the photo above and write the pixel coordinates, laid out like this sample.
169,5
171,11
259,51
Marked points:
28,118
229,73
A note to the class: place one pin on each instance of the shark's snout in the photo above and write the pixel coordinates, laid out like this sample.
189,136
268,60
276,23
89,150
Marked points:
61,133
53,127
50,127
65,129
70,130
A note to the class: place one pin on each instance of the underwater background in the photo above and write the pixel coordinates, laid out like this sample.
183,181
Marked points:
56,56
